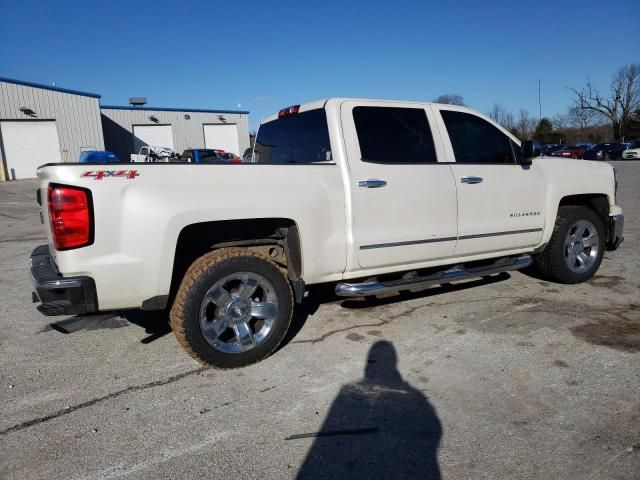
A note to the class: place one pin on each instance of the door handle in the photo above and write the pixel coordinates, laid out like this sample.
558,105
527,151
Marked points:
372,183
471,180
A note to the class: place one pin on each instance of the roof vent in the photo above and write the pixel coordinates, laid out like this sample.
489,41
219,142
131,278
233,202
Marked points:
138,101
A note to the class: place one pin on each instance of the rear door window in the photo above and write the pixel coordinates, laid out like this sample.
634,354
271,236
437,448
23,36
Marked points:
394,135
296,138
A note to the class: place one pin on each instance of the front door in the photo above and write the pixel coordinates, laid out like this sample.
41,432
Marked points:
500,202
404,200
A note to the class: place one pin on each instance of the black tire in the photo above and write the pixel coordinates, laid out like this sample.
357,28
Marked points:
552,262
201,276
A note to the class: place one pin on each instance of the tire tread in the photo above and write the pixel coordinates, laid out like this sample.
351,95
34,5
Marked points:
550,262
194,274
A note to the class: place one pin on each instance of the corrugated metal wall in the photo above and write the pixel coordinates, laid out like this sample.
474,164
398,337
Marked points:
77,117
118,127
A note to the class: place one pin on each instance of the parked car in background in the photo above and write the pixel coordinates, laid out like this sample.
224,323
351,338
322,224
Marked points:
569,151
231,157
605,151
152,154
585,145
98,156
633,152
549,148
208,155
201,155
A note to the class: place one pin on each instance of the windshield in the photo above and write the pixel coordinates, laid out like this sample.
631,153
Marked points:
296,138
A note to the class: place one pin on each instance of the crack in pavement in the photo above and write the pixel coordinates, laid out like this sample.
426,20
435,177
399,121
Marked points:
12,217
24,239
409,311
134,388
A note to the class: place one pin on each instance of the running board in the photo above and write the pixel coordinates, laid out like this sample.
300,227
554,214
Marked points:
414,282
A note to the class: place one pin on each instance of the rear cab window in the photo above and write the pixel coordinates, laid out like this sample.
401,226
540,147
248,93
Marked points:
297,138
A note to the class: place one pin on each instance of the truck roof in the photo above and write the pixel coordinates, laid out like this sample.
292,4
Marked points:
303,107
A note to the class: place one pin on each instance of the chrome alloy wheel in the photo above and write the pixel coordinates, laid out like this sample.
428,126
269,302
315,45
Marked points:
238,312
581,246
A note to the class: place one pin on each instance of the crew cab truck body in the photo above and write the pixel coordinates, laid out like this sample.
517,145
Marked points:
373,195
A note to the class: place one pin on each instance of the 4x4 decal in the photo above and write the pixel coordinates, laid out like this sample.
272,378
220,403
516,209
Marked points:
100,174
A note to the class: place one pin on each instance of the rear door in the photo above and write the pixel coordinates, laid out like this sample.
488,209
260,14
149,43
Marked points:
500,202
404,200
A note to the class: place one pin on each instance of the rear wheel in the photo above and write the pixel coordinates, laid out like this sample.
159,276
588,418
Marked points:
575,250
233,308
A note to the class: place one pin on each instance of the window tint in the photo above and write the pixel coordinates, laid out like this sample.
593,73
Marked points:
475,140
296,138
394,135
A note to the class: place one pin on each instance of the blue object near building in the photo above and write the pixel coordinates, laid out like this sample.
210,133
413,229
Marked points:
98,156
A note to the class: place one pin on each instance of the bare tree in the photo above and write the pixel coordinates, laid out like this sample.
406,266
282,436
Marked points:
451,99
525,124
560,122
501,115
619,105
581,118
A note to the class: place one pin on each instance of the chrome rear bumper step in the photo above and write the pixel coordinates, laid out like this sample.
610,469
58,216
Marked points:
452,275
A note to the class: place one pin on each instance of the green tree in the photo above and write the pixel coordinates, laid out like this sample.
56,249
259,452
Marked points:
543,131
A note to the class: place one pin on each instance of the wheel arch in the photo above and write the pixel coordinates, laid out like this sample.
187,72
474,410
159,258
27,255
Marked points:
598,202
276,238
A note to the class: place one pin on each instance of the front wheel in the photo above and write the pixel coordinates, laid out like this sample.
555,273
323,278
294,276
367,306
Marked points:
233,308
574,253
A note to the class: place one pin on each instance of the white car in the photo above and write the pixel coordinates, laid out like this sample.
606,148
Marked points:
373,196
633,152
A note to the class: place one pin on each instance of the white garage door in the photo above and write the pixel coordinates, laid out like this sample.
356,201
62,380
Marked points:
154,135
27,145
222,137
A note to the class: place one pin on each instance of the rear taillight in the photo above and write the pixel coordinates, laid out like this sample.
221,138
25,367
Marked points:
70,216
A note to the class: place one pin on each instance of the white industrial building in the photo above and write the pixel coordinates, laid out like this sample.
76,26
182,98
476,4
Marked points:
126,129
46,124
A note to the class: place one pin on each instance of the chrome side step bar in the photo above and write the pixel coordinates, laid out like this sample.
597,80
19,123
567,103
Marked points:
409,282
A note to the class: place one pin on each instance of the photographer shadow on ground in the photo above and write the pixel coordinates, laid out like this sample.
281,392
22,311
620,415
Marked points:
379,427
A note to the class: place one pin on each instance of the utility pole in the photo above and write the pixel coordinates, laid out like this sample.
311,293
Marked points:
539,103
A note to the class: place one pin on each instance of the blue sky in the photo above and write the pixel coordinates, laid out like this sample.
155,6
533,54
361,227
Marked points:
269,54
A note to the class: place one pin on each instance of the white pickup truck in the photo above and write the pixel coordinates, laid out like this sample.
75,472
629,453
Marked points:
150,153
374,196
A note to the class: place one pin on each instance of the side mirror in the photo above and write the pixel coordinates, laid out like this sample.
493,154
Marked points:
529,150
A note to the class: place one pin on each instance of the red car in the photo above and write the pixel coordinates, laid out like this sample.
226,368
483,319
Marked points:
569,151
230,157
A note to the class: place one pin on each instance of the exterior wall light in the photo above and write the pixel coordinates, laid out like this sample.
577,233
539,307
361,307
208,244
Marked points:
28,111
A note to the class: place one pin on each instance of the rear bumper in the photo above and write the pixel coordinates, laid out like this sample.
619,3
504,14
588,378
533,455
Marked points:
616,226
60,295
